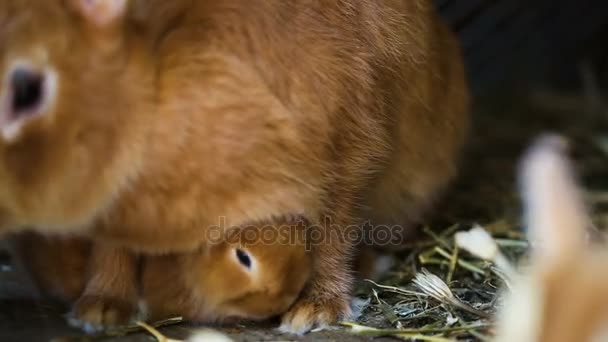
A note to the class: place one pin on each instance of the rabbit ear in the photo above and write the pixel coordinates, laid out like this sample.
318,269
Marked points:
101,13
555,214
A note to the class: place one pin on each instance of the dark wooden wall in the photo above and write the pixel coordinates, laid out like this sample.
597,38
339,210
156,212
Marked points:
519,41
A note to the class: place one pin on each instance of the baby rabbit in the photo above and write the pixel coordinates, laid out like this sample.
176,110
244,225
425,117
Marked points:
254,272
141,123
562,294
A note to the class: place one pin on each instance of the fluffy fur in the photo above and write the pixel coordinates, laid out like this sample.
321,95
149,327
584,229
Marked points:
561,295
172,114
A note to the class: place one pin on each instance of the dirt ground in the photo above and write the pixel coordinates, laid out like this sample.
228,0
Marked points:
484,193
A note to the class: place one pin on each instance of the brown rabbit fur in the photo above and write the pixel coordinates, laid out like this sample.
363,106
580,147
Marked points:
561,295
159,117
57,267
209,285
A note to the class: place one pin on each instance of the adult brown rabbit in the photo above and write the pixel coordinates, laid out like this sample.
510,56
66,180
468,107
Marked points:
142,123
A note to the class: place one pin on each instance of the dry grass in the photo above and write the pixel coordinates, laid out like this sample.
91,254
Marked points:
463,291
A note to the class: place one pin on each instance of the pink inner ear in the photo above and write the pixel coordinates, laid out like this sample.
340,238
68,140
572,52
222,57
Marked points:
102,12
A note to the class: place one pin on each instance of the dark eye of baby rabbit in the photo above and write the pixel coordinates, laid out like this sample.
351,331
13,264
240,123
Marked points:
27,91
243,258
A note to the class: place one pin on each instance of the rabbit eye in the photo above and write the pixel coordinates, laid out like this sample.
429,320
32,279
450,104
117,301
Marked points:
243,258
27,91
30,93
